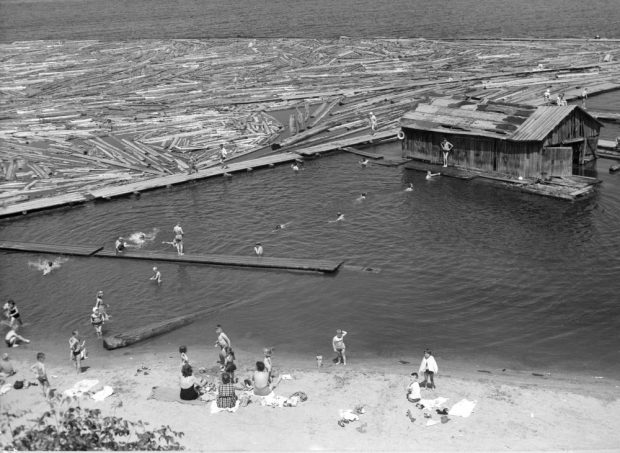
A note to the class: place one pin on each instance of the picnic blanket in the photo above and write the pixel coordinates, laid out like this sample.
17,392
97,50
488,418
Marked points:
172,395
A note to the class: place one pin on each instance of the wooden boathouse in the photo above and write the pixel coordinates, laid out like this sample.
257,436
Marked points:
510,139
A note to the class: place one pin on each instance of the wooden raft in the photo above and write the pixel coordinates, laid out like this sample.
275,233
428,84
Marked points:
32,247
229,260
295,264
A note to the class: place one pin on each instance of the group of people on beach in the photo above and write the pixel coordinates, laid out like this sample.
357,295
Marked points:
262,382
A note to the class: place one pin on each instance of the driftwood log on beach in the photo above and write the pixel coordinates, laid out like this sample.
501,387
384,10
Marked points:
121,340
79,116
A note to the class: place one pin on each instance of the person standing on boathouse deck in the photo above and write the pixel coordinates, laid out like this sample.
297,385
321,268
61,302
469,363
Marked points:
446,147
584,97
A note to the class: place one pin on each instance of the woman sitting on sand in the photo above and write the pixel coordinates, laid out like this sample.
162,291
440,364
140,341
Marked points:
226,396
190,386
260,381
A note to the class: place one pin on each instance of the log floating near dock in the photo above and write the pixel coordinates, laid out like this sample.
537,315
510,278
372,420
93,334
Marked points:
264,262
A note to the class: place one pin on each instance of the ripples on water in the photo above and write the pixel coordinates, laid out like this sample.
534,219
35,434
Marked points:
140,19
466,268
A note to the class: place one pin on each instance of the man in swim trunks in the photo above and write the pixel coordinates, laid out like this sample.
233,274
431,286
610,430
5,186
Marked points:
178,238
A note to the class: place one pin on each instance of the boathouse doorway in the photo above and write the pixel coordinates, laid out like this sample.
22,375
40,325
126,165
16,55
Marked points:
556,161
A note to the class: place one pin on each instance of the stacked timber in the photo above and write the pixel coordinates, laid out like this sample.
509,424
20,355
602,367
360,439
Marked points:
84,115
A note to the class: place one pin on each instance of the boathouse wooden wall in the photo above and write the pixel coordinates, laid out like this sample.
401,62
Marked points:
551,156
488,154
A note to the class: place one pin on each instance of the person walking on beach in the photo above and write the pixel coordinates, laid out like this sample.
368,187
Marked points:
258,249
584,97
428,366
446,147
41,373
183,354
156,276
178,238
77,350
372,122
339,347
222,342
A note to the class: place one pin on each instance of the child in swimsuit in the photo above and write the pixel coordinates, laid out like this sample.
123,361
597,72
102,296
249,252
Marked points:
39,369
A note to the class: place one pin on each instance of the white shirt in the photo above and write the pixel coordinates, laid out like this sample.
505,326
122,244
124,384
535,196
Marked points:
414,390
428,364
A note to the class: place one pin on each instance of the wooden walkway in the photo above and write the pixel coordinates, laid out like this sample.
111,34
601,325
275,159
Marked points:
338,144
313,265
147,184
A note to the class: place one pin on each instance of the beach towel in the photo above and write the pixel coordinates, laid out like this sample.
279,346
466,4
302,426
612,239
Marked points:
286,377
171,395
103,394
81,387
215,409
463,408
348,414
431,404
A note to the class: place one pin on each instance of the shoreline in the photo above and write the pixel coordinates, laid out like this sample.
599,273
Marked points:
514,410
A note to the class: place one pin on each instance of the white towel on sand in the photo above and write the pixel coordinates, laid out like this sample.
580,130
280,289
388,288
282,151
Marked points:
348,414
431,404
463,408
81,387
215,409
103,394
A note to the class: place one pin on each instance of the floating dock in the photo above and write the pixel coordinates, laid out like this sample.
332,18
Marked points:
265,262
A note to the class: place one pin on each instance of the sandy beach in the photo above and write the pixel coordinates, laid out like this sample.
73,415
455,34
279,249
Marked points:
515,410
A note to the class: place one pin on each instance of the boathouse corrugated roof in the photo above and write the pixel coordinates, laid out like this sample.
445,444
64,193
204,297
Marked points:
497,120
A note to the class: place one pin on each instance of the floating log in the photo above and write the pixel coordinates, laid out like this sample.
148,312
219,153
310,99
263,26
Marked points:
124,339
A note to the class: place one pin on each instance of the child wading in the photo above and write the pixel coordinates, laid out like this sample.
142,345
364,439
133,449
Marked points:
339,347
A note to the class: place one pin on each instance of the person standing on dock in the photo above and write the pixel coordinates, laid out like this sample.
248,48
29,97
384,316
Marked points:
446,147
178,238
258,249
547,96
222,342
372,122
584,97
223,155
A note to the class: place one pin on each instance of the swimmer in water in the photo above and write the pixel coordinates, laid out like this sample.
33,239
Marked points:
363,162
361,198
295,167
429,174
409,187
258,249
156,276
120,245
339,218
281,226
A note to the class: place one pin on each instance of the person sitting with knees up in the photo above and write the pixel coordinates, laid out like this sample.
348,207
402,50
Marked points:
413,391
190,386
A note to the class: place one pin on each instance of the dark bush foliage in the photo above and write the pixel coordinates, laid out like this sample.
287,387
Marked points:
67,426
